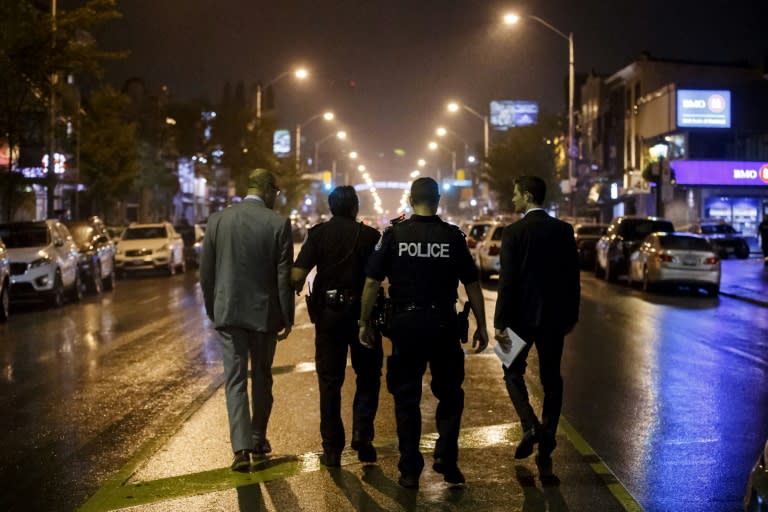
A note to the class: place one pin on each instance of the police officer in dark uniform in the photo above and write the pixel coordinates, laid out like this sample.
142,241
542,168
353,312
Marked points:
339,249
424,259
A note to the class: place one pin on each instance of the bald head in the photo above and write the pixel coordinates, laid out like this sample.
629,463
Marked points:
260,181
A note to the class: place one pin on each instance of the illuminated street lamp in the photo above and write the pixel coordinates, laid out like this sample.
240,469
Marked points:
415,173
434,146
454,107
299,74
511,19
361,168
340,135
328,116
421,162
353,154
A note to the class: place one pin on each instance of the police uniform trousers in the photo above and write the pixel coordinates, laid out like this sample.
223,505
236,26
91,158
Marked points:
336,331
549,347
421,338
237,345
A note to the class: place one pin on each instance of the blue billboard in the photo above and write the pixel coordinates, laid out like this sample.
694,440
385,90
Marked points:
506,114
281,143
703,108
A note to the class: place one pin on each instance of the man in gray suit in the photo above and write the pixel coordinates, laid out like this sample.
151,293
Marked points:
245,268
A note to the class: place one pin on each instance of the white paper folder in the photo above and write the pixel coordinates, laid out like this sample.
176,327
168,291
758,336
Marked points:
518,344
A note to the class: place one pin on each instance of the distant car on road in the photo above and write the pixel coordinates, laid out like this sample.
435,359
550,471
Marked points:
97,253
677,259
150,247
5,283
586,236
723,237
623,236
756,499
43,260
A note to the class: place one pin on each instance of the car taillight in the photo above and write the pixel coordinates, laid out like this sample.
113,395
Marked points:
664,257
471,243
712,260
493,250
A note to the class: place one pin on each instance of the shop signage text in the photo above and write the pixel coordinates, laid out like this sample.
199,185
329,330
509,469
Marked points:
713,172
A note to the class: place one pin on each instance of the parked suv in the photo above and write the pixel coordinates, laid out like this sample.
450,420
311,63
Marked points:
43,259
623,236
586,236
97,253
723,237
150,247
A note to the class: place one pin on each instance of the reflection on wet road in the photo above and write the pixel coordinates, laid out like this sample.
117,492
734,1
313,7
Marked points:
670,391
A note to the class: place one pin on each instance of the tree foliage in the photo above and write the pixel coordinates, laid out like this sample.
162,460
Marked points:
526,150
109,157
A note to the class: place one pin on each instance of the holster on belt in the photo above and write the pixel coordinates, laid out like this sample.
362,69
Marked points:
464,323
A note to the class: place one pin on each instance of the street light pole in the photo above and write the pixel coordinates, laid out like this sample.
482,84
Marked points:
328,116
572,151
300,73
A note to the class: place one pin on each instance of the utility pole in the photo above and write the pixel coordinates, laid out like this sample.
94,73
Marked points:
50,178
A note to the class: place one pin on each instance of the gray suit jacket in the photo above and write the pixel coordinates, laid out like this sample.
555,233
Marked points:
245,268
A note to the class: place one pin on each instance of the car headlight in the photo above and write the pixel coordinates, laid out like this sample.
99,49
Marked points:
40,262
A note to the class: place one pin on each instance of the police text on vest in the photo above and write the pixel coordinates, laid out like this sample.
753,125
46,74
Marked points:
424,250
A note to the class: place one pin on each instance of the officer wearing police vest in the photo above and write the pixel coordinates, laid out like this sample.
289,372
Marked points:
424,259
340,249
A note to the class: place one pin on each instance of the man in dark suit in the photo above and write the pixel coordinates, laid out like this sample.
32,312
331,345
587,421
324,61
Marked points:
245,268
538,298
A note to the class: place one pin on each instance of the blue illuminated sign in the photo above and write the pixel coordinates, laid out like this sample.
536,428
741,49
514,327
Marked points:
703,108
281,143
506,114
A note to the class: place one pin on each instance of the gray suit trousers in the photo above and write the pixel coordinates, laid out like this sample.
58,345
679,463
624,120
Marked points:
245,430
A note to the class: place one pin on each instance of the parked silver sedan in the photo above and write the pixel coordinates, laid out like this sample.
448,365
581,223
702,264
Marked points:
675,258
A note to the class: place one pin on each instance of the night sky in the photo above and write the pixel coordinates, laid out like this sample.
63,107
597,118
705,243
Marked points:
407,57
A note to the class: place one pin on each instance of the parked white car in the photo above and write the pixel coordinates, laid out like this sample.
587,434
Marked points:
488,250
43,260
150,247
678,259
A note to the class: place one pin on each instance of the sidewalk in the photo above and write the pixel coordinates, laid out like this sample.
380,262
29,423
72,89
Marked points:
189,470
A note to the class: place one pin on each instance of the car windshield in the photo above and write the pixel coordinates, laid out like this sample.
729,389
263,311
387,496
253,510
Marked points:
684,243
142,233
717,229
497,233
31,235
590,230
82,233
639,228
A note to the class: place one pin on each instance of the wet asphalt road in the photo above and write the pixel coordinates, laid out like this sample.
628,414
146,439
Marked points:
670,390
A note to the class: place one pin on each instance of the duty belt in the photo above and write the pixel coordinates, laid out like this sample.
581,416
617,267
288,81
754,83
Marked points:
341,297
443,307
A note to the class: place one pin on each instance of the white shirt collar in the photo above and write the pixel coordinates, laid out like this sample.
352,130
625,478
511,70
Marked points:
251,196
532,210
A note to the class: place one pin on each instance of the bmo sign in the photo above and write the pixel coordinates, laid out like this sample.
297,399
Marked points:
703,108
720,173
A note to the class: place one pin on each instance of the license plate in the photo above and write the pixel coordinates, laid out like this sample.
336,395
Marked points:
690,262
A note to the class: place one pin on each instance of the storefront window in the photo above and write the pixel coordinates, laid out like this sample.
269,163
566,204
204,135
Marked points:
741,212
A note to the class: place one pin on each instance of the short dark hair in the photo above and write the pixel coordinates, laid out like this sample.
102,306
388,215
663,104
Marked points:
343,201
534,186
425,191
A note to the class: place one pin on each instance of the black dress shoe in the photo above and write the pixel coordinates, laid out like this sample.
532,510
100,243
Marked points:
525,446
330,460
262,448
242,461
451,472
408,481
366,453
